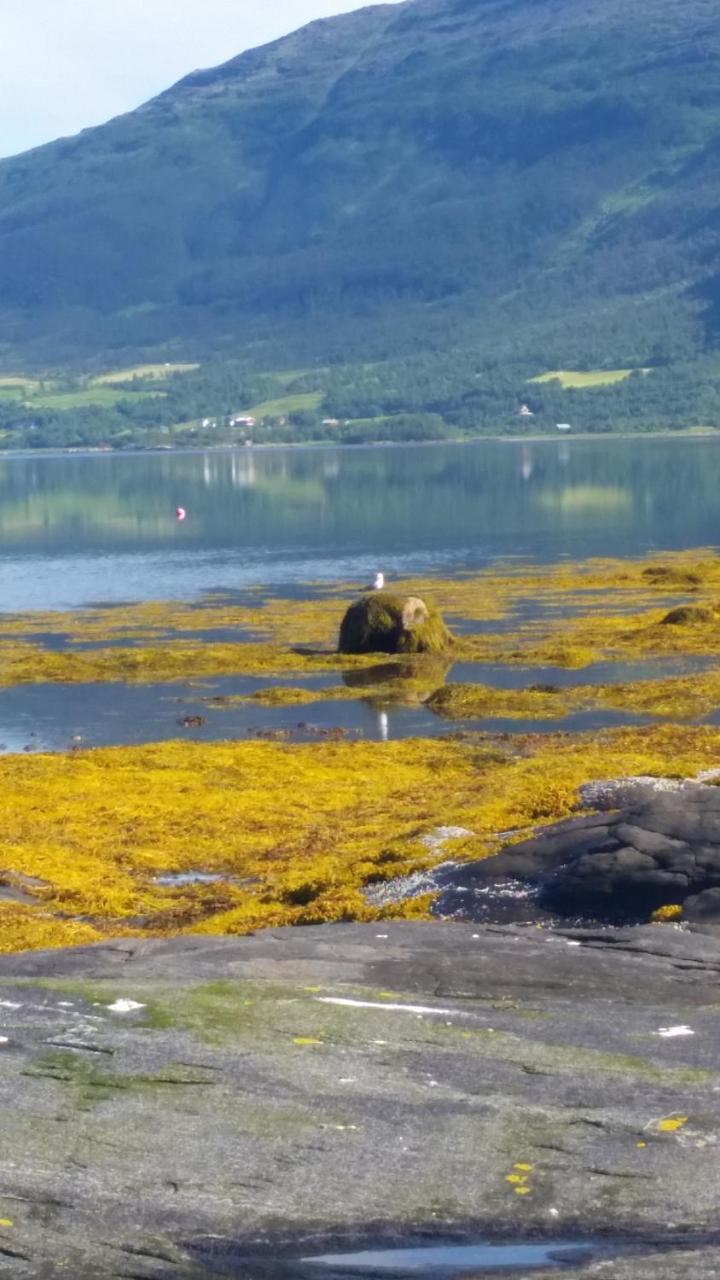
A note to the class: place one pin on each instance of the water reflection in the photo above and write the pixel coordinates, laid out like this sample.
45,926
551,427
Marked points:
581,500
408,682
77,528
58,717
450,1261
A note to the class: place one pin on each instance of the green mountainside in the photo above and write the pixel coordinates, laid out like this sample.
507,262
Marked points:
430,202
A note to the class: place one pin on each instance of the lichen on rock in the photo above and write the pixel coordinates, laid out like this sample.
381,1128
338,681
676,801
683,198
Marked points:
382,622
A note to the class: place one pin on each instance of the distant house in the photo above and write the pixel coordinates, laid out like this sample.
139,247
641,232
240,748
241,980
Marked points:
242,420
563,426
331,422
525,411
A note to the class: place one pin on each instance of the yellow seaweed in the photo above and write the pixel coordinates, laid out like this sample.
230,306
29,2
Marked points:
296,832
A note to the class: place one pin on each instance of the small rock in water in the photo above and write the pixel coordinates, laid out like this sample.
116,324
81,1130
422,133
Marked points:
180,879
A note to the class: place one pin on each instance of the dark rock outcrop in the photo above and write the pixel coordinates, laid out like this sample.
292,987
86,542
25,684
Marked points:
660,849
382,622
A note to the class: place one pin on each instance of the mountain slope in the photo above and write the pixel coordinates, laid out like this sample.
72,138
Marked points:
528,176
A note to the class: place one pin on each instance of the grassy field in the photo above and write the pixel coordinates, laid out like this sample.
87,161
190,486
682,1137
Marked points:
286,404
286,376
143,371
18,384
586,378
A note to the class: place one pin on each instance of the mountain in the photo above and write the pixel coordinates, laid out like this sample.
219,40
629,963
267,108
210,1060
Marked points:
531,179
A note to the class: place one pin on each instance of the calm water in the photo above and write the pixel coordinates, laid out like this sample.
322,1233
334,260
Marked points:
55,717
445,1262
80,529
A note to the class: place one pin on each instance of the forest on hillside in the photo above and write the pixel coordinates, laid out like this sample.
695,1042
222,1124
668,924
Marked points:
430,397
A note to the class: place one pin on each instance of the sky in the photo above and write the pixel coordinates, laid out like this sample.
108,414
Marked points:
68,64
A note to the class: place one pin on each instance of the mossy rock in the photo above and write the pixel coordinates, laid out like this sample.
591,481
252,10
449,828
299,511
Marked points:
382,622
689,615
670,576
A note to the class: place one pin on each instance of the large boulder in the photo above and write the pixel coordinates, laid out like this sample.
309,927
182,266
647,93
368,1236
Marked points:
382,622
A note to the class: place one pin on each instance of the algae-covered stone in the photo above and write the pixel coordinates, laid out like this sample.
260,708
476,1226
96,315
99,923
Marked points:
382,622
670,575
688,615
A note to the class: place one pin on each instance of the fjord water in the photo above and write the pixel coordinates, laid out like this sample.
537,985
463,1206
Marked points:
77,529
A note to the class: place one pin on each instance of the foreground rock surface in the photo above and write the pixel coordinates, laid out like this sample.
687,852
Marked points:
201,1107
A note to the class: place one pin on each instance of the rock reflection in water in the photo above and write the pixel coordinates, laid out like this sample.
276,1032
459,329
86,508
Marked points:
408,683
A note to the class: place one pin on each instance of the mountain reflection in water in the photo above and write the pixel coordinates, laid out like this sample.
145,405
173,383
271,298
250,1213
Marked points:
80,528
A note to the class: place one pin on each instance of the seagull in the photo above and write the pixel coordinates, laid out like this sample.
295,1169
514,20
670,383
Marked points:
378,582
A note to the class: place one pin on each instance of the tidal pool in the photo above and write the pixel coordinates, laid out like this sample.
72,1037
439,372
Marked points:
446,1261
58,717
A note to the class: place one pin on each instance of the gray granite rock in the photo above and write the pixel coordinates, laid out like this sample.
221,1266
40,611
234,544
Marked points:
206,1106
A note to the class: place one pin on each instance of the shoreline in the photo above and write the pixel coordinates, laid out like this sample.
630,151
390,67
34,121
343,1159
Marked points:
681,433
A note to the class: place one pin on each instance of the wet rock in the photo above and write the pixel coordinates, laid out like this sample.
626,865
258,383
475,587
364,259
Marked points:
703,908
382,622
615,793
10,893
436,840
662,848
21,889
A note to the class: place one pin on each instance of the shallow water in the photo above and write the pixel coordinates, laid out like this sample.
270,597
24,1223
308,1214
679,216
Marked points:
58,717
451,1260
75,530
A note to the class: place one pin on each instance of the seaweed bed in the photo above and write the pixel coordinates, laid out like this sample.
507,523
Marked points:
549,616
298,831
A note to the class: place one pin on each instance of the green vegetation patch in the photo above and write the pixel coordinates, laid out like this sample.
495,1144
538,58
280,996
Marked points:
284,405
586,378
92,1083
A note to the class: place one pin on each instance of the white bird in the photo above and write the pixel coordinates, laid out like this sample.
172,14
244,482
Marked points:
379,582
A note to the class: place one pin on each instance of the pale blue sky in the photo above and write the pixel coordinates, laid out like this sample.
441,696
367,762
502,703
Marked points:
67,64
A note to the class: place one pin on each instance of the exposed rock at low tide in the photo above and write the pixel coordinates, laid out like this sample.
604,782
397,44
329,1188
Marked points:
382,622
660,848
202,1107
689,615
